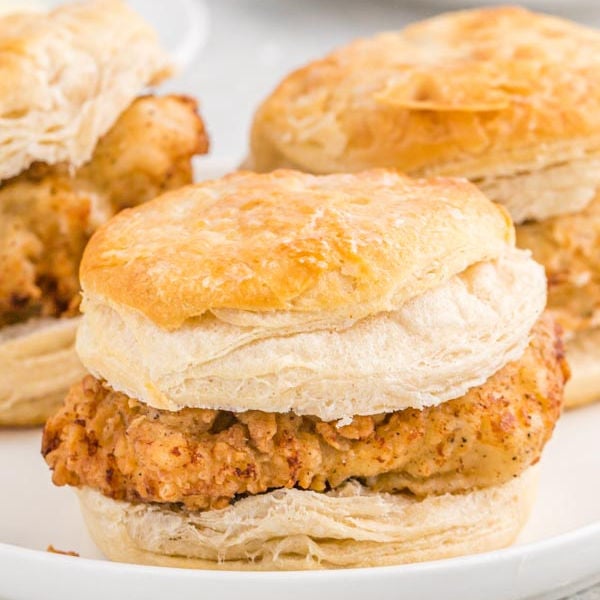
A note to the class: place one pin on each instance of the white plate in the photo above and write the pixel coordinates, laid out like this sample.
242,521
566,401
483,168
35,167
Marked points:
558,553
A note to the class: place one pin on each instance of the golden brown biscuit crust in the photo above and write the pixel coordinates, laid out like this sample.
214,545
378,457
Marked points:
290,241
470,93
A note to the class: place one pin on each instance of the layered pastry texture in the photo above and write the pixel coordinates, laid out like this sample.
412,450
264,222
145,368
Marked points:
292,371
503,96
65,77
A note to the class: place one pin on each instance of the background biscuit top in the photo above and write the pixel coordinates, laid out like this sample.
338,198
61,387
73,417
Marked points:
471,93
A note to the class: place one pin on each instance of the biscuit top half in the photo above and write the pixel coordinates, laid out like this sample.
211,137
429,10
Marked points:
67,75
286,241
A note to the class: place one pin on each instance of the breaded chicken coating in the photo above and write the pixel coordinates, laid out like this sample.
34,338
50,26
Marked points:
569,248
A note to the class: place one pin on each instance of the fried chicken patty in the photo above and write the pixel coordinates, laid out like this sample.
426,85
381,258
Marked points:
569,248
47,214
206,458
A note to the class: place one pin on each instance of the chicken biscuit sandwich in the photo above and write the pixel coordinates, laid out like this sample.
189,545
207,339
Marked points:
503,96
76,145
291,372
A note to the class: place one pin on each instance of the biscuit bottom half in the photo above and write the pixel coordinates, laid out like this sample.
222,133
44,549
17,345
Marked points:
291,529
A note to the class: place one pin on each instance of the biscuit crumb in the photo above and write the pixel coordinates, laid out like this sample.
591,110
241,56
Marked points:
54,550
